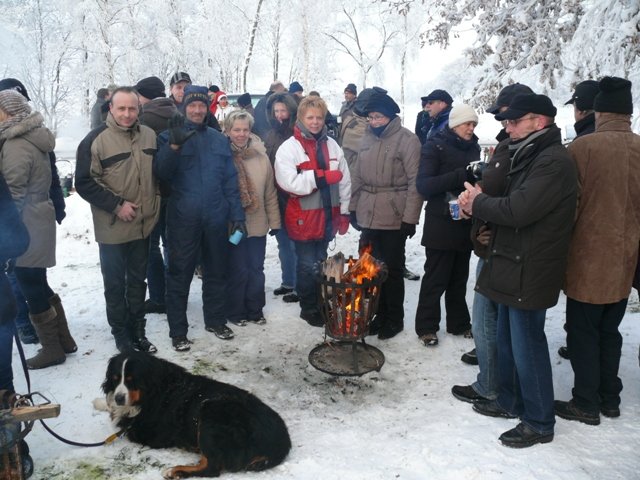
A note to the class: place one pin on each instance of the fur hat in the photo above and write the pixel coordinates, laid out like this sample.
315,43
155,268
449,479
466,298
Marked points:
351,88
14,84
295,87
179,77
461,114
584,95
506,95
614,96
150,87
442,95
195,93
13,103
244,100
527,103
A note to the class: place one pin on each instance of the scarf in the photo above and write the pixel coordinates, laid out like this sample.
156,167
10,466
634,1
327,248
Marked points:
248,195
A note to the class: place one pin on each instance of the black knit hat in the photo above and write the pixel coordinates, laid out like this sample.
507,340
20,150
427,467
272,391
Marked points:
442,95
195,93
584,95
614,96
214,88
295,87
382,103
244,100
506,95
150,87
363,99
14,84
179,77
528,103
351,88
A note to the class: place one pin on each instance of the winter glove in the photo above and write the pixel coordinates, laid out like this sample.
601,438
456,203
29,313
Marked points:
177,133
408,229
60,214
239,226
354,221
343,224
274,231
327,177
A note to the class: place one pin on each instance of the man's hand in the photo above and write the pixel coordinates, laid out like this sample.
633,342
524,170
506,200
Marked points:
178,135
466,198
127,211
408,229
484,235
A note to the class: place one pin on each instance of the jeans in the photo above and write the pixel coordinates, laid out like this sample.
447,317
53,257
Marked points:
35,288
7,332
124,267
309,254
156,265
22,318
245,285
484,327
595,344
288,258
524,368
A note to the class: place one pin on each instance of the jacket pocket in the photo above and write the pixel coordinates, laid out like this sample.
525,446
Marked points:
506,271
301,224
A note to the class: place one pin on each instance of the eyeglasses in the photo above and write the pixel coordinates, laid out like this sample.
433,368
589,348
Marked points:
376,118
516,121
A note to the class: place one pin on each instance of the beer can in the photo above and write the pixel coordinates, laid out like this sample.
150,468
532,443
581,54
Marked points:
454,209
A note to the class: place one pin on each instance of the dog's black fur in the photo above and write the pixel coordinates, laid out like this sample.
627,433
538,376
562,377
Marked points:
161,405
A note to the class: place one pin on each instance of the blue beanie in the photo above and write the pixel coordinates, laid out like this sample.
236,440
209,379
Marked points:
195,93
295,87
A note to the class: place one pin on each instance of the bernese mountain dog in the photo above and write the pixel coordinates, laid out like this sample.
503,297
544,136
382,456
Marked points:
161,405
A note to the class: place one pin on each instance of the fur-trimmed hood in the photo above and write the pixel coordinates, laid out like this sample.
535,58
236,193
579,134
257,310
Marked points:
33,130
291,104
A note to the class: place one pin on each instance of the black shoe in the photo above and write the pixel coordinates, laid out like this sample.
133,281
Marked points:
570,411
239,323
221,331
313,318
181,344
258,321
153,307
470,358
389,330
27,461
282,290
522,436
429,339
467,394
610,412
142,344
409,275
28,335
375,324
492,409
291,298
564,352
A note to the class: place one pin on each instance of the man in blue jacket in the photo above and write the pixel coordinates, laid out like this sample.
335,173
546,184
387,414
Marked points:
438,105
197,161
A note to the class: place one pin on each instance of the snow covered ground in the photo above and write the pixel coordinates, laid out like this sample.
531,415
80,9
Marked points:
400,423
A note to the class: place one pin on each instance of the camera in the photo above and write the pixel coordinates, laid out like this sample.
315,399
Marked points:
476,168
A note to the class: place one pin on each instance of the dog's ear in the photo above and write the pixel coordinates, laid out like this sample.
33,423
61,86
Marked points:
108,385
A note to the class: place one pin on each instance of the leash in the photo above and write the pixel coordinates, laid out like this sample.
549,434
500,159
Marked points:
111,438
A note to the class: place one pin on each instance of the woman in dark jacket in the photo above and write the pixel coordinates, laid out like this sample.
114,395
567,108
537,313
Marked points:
443,171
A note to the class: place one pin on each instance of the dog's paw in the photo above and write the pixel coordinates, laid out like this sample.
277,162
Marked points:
100,404
171,473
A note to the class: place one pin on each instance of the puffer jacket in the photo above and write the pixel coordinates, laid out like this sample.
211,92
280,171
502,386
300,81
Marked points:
156,114
114,164
384,179
313,208
25,164
531,224
203,178
260,172
604,246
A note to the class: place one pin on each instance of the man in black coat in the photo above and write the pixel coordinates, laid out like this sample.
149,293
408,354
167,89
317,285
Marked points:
531,228
582,101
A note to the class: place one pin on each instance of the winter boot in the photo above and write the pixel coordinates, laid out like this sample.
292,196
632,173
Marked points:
140,341
66,340
46,325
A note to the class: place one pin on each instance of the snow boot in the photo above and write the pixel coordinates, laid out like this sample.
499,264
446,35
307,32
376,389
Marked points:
46,325
66,340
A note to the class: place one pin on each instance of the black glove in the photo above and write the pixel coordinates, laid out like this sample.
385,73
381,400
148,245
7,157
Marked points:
274,231
353,220
408,229
239,226
177,133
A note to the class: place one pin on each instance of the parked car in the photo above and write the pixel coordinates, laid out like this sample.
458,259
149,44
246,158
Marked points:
233,98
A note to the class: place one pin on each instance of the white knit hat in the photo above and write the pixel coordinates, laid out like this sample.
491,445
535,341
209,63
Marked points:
461,114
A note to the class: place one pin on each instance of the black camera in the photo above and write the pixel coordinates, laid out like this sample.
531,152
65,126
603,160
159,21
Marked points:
476,168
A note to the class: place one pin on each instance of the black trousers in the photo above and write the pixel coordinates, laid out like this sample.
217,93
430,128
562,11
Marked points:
445,272
595,345
388,246
35,288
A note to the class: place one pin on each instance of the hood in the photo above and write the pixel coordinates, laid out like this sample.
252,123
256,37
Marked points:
33,130
291,104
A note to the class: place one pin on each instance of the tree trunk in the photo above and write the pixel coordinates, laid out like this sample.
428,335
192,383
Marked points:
252,38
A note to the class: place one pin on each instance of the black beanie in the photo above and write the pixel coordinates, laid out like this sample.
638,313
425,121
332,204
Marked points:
382,103
614,96
14,84
244,100
150,87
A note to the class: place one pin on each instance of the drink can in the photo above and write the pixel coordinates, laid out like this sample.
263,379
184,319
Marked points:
454,209
235,237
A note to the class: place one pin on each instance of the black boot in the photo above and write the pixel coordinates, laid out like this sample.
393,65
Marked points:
140,341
